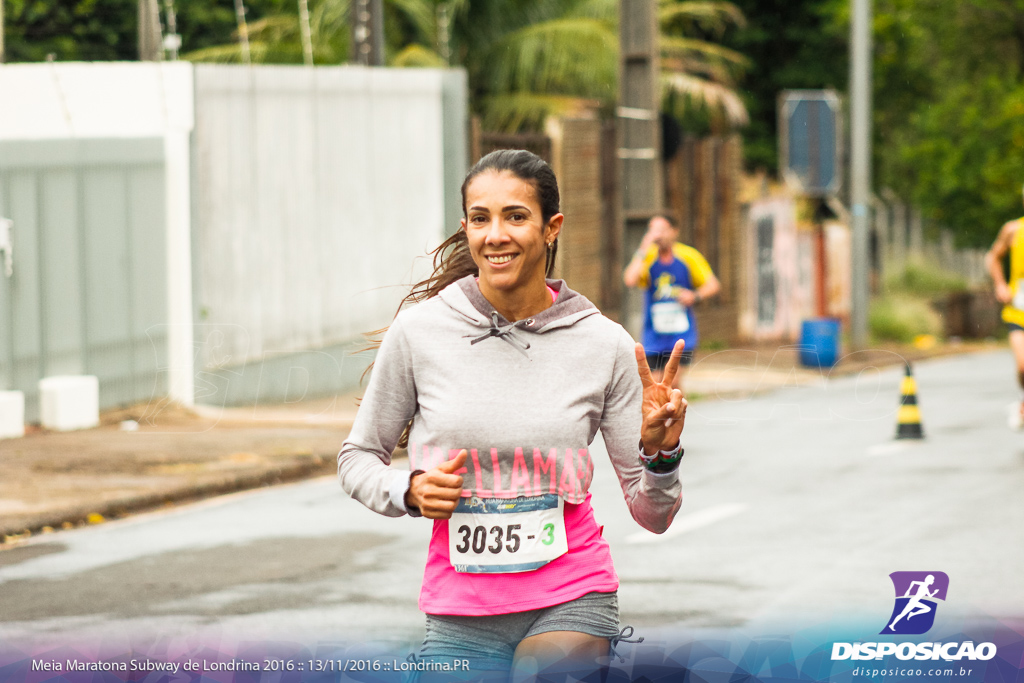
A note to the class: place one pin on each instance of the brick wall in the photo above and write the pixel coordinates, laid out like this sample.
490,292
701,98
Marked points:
702,191
576,160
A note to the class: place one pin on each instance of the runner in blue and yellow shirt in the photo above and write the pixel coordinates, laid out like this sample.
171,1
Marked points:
675,278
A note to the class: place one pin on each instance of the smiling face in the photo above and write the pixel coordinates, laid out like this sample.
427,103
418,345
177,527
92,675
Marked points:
507,234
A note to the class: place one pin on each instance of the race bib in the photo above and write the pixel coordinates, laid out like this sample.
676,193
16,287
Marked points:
1018,296
669,317
506,535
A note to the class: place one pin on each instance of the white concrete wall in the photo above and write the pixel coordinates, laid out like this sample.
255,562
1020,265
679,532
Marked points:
298,200
121,100
316,191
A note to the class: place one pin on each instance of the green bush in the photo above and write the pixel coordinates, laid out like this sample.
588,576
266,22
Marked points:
921,280
900,318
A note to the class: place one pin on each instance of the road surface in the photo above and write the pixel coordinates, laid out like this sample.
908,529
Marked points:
797,507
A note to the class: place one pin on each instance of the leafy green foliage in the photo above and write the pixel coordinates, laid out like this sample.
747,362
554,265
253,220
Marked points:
949,110
902,318
925,281
790,44
105,30
276,38
525,59
528,59
75,30
948,98
905,309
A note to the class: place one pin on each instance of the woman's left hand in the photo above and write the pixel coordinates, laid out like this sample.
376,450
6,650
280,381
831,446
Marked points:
664,408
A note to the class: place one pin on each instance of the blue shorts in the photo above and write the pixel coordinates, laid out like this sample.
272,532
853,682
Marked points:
658,361
489,642
1014,327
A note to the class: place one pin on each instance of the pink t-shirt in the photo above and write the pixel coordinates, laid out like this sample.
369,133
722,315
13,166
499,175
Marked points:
587,567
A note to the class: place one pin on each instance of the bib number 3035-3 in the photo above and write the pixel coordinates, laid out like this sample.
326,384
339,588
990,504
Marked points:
506,535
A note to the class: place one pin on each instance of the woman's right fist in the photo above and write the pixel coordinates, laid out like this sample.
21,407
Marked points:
436,492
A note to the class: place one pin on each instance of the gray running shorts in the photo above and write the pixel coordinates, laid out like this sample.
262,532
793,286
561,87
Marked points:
489,642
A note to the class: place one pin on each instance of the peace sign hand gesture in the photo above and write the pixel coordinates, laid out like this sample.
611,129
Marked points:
664,408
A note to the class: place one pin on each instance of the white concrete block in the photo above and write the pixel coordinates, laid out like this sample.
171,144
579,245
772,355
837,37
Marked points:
12,414
69,402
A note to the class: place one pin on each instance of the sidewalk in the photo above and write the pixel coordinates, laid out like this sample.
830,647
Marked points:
760,368
62,480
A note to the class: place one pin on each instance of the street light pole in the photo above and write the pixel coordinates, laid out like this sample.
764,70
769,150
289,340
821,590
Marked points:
860,165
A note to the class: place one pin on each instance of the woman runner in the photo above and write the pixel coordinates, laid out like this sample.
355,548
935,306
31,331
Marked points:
498,381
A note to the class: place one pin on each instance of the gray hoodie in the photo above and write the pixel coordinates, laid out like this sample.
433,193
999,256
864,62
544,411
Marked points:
525,399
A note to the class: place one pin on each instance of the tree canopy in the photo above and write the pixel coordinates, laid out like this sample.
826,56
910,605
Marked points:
948,76
791,44
527,59
105,30
948,102
949,110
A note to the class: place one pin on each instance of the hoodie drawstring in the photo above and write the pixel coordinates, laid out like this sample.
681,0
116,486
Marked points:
506,333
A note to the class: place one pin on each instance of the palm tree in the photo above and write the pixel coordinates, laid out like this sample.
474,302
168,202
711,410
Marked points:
277,39
697,72
528,59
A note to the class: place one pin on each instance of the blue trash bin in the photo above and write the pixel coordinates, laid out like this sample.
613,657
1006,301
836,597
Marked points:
819,342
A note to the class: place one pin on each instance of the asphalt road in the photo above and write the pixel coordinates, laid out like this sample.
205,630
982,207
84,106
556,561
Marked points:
797,506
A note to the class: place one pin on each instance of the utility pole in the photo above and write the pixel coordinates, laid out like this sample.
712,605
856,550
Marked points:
368,32
150,42
860,166
639,136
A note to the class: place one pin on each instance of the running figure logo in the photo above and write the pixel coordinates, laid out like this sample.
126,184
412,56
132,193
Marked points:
916,595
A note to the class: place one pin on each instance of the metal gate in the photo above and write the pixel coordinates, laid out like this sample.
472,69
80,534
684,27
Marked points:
88,289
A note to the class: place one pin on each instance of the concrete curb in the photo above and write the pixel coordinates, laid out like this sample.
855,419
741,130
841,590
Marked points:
78,515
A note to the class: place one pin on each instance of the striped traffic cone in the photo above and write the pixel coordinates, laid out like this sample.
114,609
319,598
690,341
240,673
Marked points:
908,420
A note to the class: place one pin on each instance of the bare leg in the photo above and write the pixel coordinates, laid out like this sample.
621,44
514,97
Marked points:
1017,346
538,652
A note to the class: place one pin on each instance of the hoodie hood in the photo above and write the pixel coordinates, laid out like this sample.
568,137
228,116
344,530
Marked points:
465,299
569,307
